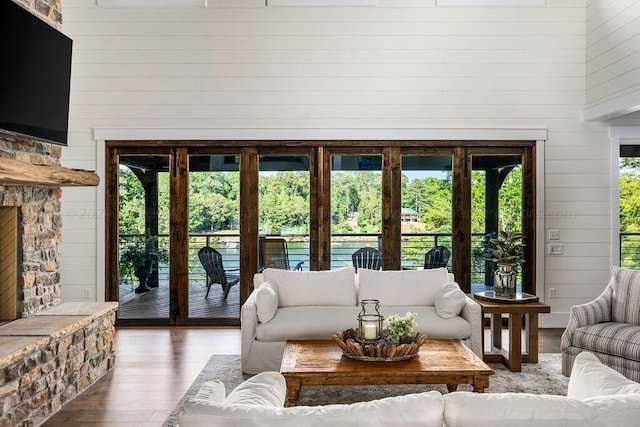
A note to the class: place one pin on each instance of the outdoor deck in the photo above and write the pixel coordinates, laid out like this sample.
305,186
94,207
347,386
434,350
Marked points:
155,303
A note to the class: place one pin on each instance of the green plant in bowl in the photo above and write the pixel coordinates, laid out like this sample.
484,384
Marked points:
401,327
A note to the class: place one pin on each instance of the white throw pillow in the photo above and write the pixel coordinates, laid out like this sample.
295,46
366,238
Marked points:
265,389
211,391
300,288
266,301
402,287
449,301
590,378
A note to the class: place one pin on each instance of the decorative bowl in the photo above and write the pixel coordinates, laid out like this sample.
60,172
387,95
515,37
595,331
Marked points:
372,352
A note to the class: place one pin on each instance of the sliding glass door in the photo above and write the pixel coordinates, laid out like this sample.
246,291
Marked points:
212,214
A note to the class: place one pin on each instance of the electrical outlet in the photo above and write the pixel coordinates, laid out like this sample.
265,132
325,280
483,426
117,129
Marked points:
87,293
552,293
554,234
556,249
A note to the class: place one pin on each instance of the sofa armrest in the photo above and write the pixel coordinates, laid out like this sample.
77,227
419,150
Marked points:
472,313
248,324
596,311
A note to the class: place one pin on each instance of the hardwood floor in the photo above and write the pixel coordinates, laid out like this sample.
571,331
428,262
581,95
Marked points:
156,366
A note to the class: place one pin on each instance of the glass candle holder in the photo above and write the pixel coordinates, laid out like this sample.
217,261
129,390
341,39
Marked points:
370,321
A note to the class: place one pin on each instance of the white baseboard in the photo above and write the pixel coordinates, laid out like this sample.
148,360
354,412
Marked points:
553,320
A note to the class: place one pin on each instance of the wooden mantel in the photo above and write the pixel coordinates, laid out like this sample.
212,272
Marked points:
16,172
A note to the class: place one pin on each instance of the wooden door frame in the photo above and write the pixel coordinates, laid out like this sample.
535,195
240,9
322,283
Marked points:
320,152
324,235
112,244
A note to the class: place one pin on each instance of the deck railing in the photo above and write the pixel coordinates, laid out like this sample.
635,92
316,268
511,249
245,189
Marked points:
413,245
630,250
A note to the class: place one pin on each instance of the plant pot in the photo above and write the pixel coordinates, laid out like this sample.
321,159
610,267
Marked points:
143,273
504,280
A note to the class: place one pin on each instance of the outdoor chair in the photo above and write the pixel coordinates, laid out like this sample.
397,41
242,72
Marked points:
437,257
275,254
211,261
369,258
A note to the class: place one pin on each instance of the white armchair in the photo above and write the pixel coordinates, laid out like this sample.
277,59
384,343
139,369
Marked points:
608,326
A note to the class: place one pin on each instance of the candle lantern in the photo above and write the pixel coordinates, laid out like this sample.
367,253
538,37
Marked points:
370,321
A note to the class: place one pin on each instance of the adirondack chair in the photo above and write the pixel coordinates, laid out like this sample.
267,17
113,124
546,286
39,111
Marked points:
211,261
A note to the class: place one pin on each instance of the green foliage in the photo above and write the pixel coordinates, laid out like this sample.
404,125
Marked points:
284,203
140,253
356,207
131,203
400,326
506,248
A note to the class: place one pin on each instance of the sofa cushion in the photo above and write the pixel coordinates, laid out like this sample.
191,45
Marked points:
312,322
265,389
449,301
470,409
402,287
412,410
428,322
307,322
626,296
617,339
303,288
590,378
266,301
614,411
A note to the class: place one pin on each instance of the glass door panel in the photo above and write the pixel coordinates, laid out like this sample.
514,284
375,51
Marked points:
214,236
496,205
426,220
629,182
283,216
143,230
356,206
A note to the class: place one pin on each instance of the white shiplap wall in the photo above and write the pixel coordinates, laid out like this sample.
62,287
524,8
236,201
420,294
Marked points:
402,64
613,58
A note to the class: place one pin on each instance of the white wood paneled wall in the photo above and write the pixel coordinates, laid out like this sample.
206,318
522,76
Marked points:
402,64
613,57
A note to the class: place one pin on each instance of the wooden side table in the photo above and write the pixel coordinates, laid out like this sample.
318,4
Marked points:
513,357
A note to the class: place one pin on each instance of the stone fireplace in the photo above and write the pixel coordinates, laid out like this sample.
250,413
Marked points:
49,351
35,213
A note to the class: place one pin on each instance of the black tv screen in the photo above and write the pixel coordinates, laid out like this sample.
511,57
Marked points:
34,76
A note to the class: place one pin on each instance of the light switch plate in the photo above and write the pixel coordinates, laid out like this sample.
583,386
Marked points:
556,249
554,234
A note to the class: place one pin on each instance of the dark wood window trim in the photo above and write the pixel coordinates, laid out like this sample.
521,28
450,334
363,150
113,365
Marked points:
320,171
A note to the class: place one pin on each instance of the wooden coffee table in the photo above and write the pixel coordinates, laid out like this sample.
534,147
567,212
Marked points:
320,362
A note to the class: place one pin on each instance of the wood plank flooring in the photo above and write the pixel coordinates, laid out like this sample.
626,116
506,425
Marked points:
156,366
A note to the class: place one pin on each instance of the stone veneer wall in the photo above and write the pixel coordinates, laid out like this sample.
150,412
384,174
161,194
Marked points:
41,221
40,227
50,358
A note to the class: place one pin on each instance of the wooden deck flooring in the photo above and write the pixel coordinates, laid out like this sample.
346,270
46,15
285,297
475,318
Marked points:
155,303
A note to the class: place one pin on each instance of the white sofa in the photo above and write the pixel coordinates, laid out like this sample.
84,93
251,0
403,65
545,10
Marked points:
597,396
317,304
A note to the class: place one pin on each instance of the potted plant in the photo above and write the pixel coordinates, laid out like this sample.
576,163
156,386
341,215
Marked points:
138,257
506,249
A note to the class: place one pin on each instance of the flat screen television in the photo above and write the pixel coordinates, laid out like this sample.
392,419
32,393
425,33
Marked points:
35,76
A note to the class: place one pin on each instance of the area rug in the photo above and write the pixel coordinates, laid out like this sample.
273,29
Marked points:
542,378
